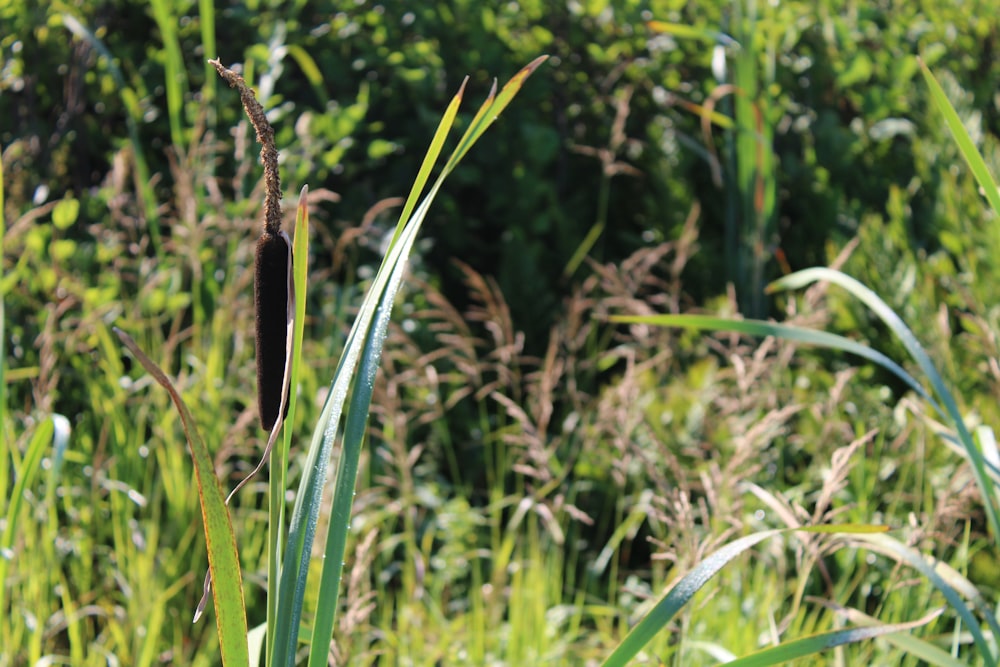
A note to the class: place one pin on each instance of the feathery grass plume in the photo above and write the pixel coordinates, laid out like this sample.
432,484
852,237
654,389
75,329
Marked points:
272,266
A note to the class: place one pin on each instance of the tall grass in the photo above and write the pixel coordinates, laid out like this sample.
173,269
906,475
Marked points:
646,496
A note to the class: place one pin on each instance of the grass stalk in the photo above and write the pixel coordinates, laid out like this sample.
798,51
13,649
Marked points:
174,72
3,344
209,90
26,471
753,162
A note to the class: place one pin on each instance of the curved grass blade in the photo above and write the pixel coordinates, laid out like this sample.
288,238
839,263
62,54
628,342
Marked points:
491,110
384,290
354,430
305,514
951,584
798,648
224,563
311,71
685,31
956,446
679,595
682,591
797,334
347,471
915,646
801,279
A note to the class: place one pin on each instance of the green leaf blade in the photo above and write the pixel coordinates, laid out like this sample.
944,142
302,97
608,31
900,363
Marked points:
796,334
962,139
799,648
679,595
224,563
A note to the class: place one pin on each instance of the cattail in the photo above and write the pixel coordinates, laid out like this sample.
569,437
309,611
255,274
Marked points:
270,287
272,266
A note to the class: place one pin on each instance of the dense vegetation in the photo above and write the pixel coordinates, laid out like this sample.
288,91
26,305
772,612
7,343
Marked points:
535,475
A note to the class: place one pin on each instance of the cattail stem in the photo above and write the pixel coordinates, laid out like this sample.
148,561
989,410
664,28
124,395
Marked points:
268,151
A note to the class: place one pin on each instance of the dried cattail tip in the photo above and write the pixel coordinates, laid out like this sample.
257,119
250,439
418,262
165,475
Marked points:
271,270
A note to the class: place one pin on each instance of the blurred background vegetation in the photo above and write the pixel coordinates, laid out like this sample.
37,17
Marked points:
513,424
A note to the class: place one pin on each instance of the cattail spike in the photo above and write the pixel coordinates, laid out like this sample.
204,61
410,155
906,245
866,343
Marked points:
270,283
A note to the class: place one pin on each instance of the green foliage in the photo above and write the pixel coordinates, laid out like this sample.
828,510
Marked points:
535,476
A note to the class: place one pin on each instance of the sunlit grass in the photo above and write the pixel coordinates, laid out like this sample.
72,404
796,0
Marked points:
540,529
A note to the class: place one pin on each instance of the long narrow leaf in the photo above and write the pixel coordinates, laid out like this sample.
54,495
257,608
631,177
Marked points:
354,436
962,139
384,289
491,110
209,88
430,159
797,334
685,31
311,71
26,471
916,647
682,592
305,513
174,73
224,563
798,648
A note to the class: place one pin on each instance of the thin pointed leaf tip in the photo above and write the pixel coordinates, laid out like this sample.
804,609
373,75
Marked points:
518,79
